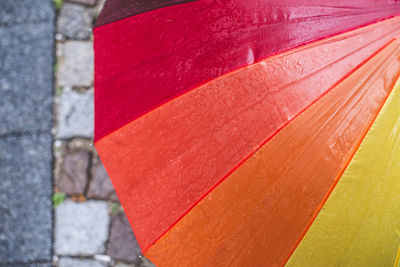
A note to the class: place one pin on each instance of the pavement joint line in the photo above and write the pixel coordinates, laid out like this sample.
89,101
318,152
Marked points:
24,133
14,23
88,175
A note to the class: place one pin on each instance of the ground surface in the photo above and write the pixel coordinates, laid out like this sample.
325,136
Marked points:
26,90
57,204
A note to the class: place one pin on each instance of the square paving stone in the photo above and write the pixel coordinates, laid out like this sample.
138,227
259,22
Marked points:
81,228
75,21
26,65
75,66
75,115
25,198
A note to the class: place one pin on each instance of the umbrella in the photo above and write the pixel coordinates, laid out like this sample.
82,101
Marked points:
234,132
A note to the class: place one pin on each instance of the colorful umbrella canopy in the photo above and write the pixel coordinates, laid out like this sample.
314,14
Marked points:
253,133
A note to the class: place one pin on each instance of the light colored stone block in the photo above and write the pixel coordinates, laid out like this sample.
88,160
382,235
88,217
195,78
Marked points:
74,21
81,228
75,64
75,115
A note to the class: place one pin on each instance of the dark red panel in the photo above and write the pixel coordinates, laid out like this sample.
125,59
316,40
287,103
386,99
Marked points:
145,60
114,10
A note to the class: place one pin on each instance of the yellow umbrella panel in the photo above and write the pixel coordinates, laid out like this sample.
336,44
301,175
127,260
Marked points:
359,224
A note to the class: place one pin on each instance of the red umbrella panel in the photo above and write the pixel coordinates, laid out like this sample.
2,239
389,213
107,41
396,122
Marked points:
225,125
158,55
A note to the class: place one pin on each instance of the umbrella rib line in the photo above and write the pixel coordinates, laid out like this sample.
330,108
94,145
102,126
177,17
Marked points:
340,174
265,141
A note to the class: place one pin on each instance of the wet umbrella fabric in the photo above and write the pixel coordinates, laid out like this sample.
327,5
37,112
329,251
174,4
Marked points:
215,119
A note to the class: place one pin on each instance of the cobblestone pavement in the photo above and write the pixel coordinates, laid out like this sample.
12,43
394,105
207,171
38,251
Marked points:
90,226
57,204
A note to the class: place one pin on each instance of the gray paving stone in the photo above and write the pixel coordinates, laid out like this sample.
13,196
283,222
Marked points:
26,63
72,178
74,21
75,66
100,185
75,115
122,244
81,228
71,262
25,198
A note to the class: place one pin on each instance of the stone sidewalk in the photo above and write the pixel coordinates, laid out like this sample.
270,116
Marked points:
26,112
90,226
57,204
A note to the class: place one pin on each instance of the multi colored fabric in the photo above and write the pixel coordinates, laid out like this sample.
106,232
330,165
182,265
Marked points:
227,128
163,53
271,198
360,223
